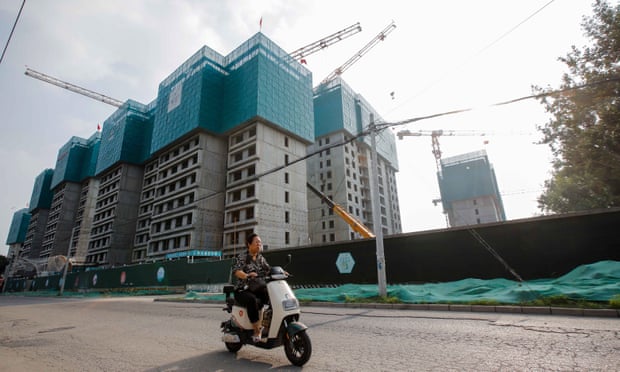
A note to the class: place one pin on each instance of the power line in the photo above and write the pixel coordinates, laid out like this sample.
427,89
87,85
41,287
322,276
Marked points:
488,46
12,29
503,103
512,29
384,125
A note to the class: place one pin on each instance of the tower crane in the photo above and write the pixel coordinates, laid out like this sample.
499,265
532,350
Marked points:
434,134
326,41
380,37
299,53
73,88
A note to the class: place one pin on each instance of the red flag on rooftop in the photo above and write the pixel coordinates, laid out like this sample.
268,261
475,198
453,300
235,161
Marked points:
260,23
98,127
303,61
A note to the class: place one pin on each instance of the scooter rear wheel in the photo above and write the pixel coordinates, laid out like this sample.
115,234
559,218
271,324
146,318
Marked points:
298,348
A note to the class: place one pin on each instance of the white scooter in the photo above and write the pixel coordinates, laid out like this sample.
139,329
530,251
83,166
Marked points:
279,318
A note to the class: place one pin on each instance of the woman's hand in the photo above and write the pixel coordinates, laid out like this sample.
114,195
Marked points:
243,275
252,274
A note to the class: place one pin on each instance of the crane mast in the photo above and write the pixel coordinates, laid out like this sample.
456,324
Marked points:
73,88
380,37
326,41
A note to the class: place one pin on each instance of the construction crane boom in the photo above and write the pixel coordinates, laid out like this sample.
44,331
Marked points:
73,88
326,41
357,226
459,132
299,53
380,37
439,132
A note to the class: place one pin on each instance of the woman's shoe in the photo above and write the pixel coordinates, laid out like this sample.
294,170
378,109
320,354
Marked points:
257,338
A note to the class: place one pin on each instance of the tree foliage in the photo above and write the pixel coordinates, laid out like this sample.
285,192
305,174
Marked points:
584,130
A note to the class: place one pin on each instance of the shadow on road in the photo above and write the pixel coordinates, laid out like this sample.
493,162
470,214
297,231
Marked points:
221,361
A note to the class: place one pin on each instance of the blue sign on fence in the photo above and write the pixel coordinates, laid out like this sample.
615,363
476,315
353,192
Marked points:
194,253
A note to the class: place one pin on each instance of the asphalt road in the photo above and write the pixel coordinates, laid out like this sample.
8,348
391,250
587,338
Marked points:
140,334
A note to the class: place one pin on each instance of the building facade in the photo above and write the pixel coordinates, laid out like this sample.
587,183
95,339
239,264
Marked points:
40,203
469,191
219,154
342,167
15,239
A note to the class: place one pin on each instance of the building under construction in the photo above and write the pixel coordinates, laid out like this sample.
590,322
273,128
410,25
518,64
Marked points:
344,173
469,191
220,153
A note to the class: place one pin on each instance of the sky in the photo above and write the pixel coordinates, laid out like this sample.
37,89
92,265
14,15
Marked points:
442,56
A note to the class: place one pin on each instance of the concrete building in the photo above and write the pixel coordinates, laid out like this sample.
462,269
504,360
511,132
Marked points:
84,220
246,113
125,142
469,191
343,173
15,238
60,220
74,169
181,203
273,204
219,154
40,203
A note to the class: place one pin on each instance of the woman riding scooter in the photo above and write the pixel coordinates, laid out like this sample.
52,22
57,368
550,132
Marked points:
249,268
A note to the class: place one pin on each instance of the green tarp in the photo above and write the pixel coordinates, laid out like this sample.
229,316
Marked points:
595,282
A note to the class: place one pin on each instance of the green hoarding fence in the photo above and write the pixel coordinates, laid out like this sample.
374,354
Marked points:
172,273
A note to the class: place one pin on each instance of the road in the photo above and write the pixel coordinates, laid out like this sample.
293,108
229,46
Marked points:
140,334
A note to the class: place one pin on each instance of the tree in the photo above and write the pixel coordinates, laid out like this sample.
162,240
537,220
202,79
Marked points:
584,130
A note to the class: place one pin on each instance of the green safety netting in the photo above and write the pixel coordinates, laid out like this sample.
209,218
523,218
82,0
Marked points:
595,282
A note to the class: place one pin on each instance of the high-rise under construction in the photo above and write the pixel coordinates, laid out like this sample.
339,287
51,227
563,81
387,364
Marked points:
220,153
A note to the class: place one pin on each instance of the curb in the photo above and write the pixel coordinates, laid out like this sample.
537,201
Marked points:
507,309
540,310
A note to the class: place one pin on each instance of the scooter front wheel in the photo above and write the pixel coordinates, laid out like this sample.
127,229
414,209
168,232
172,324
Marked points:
233,347
298,348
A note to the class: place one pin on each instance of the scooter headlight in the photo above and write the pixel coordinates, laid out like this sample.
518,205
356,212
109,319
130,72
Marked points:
290,304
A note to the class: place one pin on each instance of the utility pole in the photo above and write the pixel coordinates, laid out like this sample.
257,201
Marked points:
7,271
64,272
376,210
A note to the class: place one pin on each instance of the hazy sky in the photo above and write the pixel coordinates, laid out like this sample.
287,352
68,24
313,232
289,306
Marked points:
443,55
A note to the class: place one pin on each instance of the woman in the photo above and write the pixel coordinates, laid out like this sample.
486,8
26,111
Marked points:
250,265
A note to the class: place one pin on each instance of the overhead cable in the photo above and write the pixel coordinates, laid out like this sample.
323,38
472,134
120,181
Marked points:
384,125
12,30
488,46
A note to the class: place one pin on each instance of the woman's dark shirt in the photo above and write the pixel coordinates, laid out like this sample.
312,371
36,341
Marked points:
245,263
